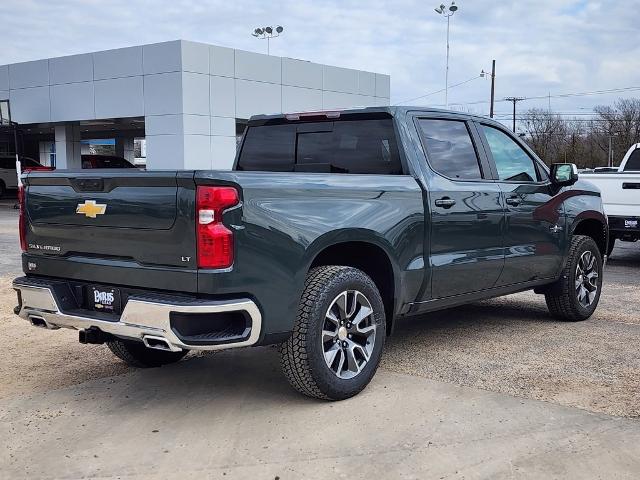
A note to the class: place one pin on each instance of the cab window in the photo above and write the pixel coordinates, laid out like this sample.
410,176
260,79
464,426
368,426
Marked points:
449,148
512,162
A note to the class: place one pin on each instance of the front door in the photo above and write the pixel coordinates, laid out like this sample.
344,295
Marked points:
534,235
466,213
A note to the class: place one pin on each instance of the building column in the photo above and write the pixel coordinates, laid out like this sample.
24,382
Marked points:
124,149
68,153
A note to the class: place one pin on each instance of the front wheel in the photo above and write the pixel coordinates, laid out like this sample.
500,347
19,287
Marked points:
575,296
612,243
337,340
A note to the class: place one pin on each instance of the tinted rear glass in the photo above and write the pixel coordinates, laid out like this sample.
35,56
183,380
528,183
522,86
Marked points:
349,146
268,148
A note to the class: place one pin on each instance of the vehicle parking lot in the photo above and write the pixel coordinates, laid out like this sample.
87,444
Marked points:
458,392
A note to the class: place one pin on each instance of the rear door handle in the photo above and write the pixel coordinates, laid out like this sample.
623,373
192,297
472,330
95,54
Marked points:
445,202
514,201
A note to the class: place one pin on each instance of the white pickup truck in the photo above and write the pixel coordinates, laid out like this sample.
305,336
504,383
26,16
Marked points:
621,196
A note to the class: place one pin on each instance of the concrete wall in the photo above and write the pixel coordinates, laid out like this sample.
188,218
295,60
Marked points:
189,93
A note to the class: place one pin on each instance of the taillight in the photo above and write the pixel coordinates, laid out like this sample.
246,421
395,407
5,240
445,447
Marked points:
22,224
215,240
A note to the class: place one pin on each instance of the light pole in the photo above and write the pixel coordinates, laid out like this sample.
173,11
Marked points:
448,13
267,33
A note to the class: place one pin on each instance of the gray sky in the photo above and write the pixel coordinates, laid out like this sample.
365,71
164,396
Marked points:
540,46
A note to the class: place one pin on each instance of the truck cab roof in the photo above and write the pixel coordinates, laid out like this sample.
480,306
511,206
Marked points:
387,111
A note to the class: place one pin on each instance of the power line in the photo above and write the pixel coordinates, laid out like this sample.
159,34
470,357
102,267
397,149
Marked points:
437,91
560,95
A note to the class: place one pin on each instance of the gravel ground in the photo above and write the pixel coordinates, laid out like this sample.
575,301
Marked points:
506,345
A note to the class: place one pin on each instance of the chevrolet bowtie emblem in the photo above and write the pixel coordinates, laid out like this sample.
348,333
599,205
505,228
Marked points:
90,208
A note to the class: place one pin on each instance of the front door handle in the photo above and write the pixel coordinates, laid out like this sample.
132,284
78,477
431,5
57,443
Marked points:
445,202
514,201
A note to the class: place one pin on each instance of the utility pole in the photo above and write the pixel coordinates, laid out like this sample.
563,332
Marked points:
514,100
493,86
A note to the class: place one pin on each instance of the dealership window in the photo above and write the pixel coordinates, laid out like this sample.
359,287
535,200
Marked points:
48,153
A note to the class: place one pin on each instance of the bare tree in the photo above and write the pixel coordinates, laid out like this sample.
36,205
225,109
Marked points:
619,123
584,142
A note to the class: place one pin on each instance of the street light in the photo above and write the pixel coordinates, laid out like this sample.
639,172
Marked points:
267,33
447,12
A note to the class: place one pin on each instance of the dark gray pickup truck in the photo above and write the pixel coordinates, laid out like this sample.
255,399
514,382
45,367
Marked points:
330,227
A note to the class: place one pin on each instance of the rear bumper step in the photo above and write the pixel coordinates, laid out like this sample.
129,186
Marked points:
142,319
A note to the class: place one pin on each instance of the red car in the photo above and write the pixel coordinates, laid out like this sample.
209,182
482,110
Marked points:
105,161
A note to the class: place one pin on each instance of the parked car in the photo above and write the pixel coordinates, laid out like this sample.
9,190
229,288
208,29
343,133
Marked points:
9,175
621,197
105,161
330,228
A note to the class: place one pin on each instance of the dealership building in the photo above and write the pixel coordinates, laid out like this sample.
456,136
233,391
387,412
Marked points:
174,105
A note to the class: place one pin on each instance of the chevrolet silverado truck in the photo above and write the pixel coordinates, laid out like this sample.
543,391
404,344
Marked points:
330,228
620,189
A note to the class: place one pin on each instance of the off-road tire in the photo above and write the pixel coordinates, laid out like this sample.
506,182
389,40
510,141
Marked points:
302,357
137,355
561,296
611,245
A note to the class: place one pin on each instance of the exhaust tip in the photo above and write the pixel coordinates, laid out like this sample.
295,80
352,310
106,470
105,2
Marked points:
158,343
38,321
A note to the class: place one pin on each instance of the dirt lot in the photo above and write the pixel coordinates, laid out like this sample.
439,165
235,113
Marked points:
507,345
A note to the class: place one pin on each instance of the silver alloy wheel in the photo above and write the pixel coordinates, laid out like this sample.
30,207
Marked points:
587,279
348,334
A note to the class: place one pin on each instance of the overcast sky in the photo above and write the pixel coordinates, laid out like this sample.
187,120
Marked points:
540,46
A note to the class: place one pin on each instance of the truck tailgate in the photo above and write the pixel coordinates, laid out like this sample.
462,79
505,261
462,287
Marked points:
113,226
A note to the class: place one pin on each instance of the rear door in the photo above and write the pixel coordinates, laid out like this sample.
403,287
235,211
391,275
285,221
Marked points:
534,236
466,213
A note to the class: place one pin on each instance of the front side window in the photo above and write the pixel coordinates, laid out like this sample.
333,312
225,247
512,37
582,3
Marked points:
450,149
512,162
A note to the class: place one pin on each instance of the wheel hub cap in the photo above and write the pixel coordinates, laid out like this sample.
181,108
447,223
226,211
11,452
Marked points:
348,334
342,333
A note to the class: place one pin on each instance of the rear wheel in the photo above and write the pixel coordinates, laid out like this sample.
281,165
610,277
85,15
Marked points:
575,296
337,340
137,355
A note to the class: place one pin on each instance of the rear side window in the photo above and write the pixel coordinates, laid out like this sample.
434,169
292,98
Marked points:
450,150
348,146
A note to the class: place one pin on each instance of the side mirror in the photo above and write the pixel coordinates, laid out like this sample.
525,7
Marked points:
564,174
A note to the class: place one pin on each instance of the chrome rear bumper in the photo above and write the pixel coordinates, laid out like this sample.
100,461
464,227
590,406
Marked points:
141,319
